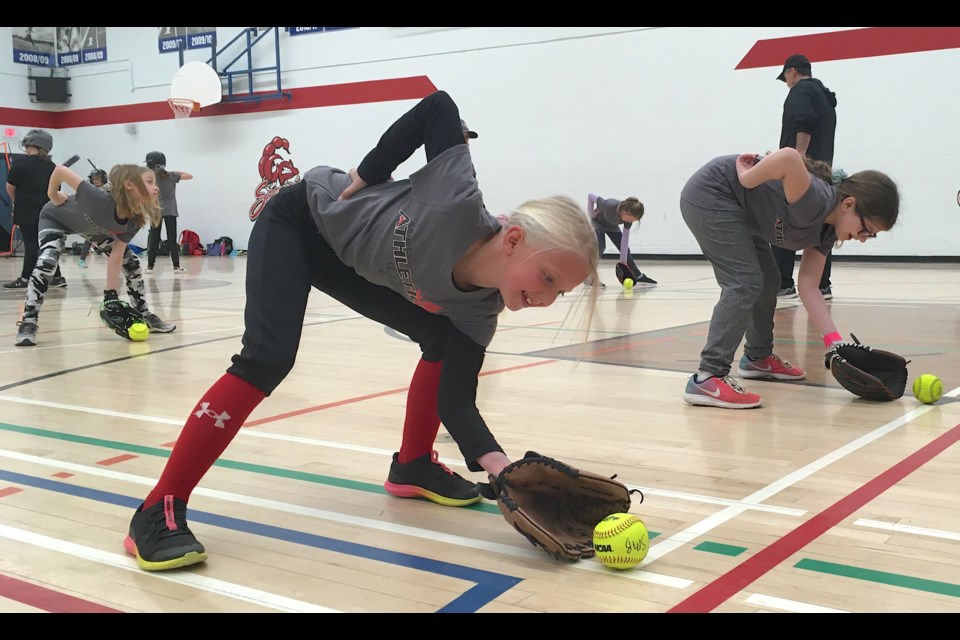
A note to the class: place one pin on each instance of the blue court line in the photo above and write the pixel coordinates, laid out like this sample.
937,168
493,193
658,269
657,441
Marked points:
488,585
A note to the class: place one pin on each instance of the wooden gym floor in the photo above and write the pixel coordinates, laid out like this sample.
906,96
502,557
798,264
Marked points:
816,502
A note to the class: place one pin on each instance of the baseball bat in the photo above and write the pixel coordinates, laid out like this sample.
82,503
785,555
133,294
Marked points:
71,160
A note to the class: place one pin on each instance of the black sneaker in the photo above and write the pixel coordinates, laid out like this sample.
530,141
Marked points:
787,292
60,283
645,279
427,477
27,334
160,538
827,293
19,283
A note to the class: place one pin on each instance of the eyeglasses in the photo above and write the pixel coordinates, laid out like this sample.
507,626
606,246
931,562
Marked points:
864,233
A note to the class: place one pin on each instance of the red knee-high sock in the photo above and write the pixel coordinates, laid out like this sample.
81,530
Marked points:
209,429
422,421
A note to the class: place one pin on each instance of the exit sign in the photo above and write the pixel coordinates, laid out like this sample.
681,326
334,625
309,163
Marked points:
9,132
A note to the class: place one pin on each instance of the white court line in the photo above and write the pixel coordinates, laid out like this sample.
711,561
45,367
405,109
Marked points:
682,538
906,528
127,563
341,518
658,550
386,453
791,606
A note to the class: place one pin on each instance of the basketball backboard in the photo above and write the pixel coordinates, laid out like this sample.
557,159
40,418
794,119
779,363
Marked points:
198,82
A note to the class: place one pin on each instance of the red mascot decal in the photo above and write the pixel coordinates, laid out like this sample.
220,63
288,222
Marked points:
276,172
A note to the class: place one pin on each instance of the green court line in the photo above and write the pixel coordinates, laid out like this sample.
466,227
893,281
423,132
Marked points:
708,547
721,549
882,577
228,464
231,464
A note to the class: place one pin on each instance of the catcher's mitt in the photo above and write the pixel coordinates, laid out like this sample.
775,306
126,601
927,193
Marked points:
870,373
118,315
554,505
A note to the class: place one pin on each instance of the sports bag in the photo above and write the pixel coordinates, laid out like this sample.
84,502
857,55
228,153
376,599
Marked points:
190,244
222,246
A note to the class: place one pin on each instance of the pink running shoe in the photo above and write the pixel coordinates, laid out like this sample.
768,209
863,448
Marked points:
719,392
773,366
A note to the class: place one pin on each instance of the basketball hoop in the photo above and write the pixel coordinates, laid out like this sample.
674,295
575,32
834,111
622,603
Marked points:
182,107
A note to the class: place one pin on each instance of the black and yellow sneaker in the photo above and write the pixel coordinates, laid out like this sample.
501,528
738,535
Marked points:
160,539
427,477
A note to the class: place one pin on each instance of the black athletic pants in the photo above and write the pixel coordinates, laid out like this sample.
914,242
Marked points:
287,256
153,241
786,260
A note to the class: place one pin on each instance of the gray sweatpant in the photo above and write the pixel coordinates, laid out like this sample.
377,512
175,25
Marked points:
749,281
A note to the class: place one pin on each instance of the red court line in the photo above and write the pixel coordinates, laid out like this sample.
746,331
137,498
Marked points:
9,491
123,458
851,44
47,599
411,88
340,403
740,577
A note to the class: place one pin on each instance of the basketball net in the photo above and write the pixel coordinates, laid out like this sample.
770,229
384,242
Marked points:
182,108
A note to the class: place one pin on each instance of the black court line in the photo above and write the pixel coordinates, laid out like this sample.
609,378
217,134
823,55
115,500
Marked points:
92,365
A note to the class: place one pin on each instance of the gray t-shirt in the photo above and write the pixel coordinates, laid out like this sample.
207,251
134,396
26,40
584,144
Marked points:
792,226
91,213
407,235
168,193
607,217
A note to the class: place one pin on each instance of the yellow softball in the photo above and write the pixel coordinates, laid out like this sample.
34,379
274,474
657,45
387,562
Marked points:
138,331
927,388
621,541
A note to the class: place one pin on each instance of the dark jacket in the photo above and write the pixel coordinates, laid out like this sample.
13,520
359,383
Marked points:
810,108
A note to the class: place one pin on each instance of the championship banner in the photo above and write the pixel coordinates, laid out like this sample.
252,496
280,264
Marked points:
171,39
34,45
300,31
81,45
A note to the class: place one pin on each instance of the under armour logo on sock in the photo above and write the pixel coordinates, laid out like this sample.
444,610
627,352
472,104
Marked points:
218,418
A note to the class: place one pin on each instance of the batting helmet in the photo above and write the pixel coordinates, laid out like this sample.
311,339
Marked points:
38,138
99,173
156,159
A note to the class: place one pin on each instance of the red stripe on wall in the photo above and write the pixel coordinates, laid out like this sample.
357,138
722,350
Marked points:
412,88
851,44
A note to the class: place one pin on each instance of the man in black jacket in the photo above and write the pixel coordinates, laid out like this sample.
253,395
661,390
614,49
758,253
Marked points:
809,126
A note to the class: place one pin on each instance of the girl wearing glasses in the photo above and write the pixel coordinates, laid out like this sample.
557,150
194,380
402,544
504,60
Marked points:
736,206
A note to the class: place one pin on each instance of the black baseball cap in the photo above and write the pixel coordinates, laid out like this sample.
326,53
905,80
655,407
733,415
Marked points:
796,61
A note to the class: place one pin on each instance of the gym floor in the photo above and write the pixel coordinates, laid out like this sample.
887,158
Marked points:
818,501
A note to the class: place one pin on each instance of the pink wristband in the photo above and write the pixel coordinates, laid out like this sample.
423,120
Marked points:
831,338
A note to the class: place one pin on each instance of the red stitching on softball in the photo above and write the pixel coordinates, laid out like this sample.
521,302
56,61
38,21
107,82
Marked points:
620,528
